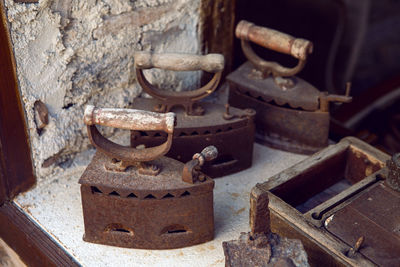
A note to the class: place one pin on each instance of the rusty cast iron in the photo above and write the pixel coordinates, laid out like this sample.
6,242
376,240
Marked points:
136,197
339,202
261,247
292,114
231,130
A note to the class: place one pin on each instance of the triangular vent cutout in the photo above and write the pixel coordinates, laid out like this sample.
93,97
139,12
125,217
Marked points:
150,196
132,195
186,193
95,190
143,133
168,196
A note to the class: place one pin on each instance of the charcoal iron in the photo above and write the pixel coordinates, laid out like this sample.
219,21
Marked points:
292,114
231,130
342,203
138,198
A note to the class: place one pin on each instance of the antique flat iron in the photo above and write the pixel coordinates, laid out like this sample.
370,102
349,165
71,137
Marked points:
137,198
231,130
343,203
292,114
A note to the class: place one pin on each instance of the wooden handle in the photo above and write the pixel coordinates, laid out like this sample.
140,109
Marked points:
274,40
130,119
179,62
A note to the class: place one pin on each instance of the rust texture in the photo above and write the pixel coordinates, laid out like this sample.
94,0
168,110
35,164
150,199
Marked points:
233,138
266,251
261,247
247,251
41,115
393,178
230,130
137,198
191,169
292,114
259,212
348,218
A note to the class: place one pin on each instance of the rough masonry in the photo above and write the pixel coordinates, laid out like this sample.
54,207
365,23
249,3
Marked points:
71,53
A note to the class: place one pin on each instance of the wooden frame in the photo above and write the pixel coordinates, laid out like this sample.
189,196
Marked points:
16,164
321,246
32,244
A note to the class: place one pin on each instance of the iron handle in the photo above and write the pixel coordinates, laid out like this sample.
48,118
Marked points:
277,41
179,62
129,119
274,40
212,63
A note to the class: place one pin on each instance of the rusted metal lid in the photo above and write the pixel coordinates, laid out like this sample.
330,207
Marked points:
375,216
168,181
302,95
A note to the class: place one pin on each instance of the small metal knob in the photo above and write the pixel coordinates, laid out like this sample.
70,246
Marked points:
191,171
207,154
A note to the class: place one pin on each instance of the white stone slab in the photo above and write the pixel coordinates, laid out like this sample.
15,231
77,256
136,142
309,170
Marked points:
55,204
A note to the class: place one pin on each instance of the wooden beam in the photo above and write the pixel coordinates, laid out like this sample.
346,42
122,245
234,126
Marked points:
217,22
29,241
15,153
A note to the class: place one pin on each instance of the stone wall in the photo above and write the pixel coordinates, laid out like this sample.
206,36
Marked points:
70,53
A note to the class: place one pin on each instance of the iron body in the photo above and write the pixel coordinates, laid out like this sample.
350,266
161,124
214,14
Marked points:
297,126
128,209
138,198
232,137
291,114
199,124
340,204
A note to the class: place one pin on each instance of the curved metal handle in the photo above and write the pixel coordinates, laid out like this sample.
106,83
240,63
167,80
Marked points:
213,63
179,62
129,119
274,40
